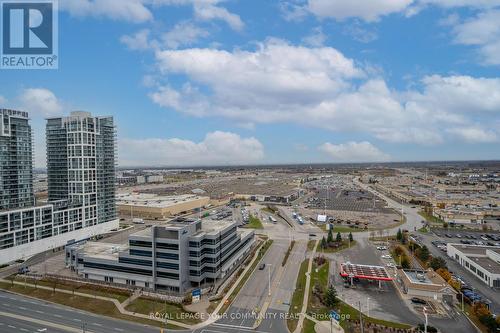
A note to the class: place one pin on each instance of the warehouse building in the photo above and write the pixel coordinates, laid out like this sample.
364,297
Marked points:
156,207
482,261
174,258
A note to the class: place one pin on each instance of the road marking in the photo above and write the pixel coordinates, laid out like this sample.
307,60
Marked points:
76,319
22,308
96,324
118,329
23,329
38,311
10,326
58,316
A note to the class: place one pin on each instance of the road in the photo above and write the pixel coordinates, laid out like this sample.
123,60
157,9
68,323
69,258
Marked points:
36,315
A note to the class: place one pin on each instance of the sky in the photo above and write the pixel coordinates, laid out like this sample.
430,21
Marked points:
235,82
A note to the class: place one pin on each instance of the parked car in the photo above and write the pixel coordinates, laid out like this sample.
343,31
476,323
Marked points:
417,300
381,248
262,266
386,256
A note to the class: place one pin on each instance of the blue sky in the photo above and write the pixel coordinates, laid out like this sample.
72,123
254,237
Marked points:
213,82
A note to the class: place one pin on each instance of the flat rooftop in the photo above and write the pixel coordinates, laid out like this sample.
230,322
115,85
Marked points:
152,200
487,264
103,250
475,249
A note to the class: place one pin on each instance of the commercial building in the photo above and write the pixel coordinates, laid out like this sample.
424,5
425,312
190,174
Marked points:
482,261
426,284
151,206
80,163
173,258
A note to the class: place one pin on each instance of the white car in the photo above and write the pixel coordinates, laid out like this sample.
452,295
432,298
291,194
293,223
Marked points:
386,256
381,248
391,265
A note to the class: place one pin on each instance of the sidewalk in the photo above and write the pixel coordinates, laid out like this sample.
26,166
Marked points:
306,291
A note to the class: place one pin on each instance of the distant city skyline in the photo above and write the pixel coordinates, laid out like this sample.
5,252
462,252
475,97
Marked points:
214,83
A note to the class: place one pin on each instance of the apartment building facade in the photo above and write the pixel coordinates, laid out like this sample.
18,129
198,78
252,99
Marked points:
81,203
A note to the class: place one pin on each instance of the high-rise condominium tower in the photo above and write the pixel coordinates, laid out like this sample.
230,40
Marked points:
81,181
81,164
16,166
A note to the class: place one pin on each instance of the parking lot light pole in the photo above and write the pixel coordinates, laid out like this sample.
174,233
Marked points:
462,301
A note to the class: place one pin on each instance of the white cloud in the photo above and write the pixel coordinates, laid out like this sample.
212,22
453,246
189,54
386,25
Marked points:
367,10
483,31
137,41
474,134
217,148
207,10
184,33
320,87
138,11
127,10
353,152
40,101
373,10
316,39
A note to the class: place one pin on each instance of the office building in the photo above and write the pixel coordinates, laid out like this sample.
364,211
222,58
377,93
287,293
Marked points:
81,168
482,261
174,258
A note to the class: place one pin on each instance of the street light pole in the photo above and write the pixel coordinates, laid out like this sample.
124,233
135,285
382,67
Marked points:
269,278
426,321
368,306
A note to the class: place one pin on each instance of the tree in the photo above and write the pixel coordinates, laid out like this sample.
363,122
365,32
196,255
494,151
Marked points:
350,237
443,272
323,243
437,263
423,253
405,262
330,235
339,237
399,235
330,299
398,250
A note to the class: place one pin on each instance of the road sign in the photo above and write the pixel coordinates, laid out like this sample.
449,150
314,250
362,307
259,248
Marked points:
334,315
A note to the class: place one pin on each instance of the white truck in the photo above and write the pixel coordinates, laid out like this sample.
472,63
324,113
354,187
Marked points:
137,220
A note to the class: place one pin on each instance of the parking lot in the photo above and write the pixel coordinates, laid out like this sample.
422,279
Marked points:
350,200
489,238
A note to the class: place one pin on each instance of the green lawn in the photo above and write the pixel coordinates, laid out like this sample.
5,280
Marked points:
93,305
310,245
95,290
254,223
308,326
174,311
297,297
319,276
